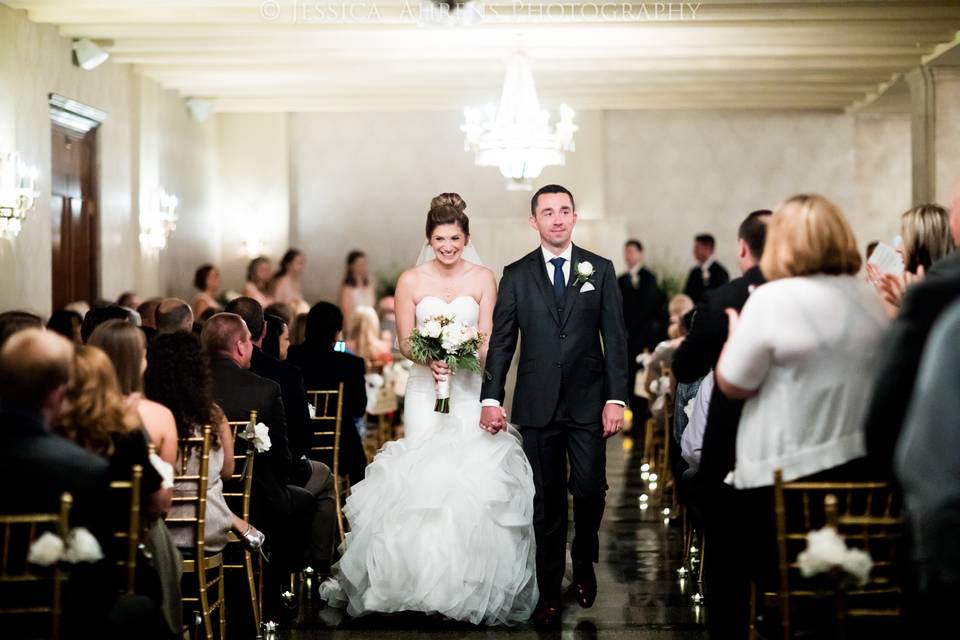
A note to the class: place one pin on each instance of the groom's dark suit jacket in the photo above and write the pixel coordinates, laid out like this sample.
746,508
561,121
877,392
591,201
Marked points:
561,348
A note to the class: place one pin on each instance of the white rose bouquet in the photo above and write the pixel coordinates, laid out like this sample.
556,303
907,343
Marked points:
441,338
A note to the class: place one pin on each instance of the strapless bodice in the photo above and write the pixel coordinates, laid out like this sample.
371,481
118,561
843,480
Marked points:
464,309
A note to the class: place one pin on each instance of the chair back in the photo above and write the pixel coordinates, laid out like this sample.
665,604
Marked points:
125,494
238,488
868,515
28,591
190,506
327,423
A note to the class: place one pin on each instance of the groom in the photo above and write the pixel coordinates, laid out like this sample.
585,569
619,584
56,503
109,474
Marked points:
571,388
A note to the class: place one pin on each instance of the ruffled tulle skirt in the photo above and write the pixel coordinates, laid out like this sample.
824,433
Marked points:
442,523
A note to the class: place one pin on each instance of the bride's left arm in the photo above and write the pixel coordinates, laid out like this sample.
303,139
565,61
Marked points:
488,300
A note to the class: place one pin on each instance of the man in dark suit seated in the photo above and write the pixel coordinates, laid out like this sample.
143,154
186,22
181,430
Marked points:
708,274
323,368
37,466
644,316
286,513
726,580
897,369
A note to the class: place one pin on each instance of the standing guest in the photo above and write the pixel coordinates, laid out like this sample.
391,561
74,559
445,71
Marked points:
288,281
928,469
207,282
357,290
365,340
276,340
125,345
726,581
896,374
173,314
642,315
708,274
66,323
129,300
257,285
98,315
801,355
178,377
323,368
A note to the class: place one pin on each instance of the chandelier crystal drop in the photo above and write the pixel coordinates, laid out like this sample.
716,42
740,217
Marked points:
158,219
517,136
18,193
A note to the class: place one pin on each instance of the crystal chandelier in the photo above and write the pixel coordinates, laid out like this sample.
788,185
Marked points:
18,193
517,137
158,220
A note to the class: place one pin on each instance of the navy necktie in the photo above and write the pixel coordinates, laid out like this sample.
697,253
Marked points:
559,286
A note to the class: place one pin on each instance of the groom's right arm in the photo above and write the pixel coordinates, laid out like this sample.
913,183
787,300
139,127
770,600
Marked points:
503,342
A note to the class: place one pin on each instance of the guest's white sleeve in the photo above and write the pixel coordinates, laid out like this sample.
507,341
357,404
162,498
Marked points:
748,354
691,443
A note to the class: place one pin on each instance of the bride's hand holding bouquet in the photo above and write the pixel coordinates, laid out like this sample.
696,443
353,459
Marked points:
446,346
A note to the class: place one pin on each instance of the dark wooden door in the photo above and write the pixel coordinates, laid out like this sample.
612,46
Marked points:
73,213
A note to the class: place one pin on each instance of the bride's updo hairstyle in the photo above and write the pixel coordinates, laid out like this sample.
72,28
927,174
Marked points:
447,208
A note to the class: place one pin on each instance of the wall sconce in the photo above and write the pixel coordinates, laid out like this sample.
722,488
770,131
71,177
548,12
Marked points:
18,193
253,247
158,219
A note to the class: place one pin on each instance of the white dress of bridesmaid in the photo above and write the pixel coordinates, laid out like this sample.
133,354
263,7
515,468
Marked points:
442,523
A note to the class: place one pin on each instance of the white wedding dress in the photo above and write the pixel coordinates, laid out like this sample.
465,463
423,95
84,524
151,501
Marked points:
442,523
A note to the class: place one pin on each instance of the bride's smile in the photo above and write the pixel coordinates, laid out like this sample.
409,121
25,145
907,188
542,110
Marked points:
448,241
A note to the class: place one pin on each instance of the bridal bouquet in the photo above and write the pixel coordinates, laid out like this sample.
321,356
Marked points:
443,339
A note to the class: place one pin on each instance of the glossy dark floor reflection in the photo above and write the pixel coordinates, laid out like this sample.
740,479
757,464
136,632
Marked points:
639,593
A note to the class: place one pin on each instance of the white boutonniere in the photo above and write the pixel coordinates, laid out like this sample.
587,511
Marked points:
258,435
584,272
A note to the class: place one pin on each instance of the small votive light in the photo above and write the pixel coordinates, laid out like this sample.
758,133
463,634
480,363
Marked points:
666,511
697,598
666,521
653,477
645,476
652,485
644,497
694,551
682,571
643,506
645,467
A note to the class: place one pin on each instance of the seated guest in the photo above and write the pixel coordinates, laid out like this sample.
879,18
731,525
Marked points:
276,340
662,356
288,513
98,315
207,282
12,322
708,274
691,442
927,238
66,323
174,315
928,469
177,376
280,310
126,347
364,338
324,369
94,416
148,316
129,300
802,355
900,358
298,328
257,286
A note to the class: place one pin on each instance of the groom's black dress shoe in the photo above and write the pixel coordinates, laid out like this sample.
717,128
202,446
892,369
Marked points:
547,615
584,584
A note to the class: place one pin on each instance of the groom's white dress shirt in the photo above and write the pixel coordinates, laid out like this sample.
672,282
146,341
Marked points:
548,255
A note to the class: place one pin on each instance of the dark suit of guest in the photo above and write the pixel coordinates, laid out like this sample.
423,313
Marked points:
294,398
697,285
726,579
324,369
645,320
897,370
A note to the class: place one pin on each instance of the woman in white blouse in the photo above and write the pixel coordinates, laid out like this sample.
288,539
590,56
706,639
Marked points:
803,351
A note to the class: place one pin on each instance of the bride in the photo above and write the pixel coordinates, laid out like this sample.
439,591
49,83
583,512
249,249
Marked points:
442,523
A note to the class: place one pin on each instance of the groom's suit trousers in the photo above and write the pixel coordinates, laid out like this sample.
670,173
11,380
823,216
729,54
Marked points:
548,449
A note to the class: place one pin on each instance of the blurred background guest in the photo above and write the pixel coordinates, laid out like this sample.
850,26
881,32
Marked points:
708,274
357,290
130,300
276,341
365,340
148,316
98,315
298,329
66,323
173,314
257,285
207,282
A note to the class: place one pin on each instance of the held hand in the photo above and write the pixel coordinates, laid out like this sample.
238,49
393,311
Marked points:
440,370
612,419
492,419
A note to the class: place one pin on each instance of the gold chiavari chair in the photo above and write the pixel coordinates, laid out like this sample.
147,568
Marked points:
868,516
325,441
127,539
29,591
237,491
200,564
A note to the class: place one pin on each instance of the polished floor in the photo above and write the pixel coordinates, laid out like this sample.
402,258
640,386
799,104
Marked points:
639,596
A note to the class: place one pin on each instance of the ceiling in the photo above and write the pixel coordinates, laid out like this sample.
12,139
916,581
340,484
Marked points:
326,55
